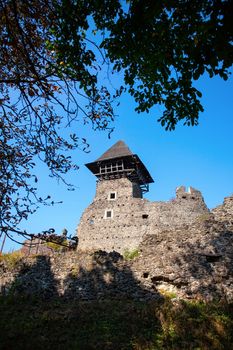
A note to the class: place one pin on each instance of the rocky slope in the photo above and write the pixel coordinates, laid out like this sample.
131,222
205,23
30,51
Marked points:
192,262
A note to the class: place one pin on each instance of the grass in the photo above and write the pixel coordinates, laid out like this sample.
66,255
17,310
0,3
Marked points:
131,254
204,217
57,247
11,259
59,324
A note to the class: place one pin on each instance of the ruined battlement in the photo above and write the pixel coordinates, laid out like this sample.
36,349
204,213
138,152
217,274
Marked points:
189,193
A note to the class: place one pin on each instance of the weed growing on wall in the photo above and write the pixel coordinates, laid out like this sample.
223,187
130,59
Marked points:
131,254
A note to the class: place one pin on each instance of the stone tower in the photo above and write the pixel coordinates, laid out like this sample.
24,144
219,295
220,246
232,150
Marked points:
111,222
119,217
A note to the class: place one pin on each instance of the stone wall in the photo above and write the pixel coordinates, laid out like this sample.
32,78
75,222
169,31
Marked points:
193,261
224,212
133,217
184,249
126,226
73,276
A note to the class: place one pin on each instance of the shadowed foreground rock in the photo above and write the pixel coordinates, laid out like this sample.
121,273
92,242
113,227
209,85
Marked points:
92,276
194,261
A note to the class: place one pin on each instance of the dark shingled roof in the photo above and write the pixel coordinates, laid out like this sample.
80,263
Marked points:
119,149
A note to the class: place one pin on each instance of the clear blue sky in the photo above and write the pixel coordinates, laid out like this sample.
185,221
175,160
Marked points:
200,156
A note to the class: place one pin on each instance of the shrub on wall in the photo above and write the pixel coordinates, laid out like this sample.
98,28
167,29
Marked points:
130,254
11,259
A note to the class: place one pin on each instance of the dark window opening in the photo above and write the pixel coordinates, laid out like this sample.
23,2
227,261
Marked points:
145,216
108,214
211,258
112,195
145,274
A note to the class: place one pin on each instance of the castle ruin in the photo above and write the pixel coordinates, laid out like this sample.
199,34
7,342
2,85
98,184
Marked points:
119,218
184,248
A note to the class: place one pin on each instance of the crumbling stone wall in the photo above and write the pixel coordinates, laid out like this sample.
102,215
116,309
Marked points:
131,216
184,249
73,276
224,212
194,261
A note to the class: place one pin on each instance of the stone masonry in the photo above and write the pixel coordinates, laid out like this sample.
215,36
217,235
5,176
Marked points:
224,212
132,217
193,260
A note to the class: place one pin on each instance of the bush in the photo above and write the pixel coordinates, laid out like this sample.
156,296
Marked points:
130,255
11,259
58,247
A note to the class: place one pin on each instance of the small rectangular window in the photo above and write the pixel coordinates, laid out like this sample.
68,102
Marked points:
112,196
145,216
108,214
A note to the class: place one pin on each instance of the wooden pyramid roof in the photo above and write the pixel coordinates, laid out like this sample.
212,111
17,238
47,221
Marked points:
118,150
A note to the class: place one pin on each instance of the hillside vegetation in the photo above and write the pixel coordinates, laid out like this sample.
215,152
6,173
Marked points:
169,324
